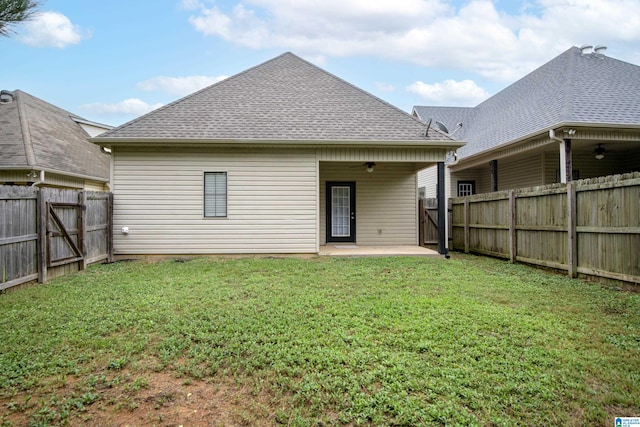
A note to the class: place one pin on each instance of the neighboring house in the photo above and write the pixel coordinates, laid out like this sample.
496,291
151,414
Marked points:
281,158
44,145
577,116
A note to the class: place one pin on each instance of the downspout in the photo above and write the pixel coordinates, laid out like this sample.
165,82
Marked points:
552,135
40,181
566,169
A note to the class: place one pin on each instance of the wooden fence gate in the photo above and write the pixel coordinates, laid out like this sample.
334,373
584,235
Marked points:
45,233
428,222
64,234
428,218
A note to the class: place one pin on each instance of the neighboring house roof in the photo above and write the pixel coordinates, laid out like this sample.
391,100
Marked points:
284,99
573,88
37,135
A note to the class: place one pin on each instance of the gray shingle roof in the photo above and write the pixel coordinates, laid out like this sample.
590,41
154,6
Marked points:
284,99
35,134
571,88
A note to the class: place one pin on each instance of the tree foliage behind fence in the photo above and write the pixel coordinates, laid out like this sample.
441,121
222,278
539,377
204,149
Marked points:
47,232
589,227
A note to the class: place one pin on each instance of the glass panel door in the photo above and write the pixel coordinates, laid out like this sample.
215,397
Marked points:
340,212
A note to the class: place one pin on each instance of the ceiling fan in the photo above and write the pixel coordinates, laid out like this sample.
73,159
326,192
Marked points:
369,166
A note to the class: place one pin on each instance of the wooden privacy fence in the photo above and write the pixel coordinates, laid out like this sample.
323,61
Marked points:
589,227
47,232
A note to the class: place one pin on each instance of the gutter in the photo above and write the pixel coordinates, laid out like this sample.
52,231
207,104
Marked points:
112,141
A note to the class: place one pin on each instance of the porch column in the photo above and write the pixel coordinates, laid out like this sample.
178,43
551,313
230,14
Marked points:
442,212
494,175
566,162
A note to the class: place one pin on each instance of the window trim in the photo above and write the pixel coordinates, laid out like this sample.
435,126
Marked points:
226,194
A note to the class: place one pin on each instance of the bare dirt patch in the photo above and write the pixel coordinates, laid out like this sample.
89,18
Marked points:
163,400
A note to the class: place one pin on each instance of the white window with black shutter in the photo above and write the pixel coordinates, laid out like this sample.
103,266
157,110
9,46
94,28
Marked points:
215,194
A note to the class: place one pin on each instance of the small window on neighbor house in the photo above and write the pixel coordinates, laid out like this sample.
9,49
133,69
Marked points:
422,192
466,188
215,194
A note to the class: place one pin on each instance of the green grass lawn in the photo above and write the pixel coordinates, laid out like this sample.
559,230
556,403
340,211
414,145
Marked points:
321,341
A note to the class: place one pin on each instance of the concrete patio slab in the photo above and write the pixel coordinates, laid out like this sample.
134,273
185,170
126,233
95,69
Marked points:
357,250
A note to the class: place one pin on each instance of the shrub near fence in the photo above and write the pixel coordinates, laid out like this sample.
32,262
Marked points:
47,232
589,227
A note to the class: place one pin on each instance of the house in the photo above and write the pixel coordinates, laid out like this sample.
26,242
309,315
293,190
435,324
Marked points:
577,116
44,145
281,158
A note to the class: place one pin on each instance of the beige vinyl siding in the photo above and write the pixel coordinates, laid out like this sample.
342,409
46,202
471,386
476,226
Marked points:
159,195
15,176
428,178
386,202
523,171
94,186
481,176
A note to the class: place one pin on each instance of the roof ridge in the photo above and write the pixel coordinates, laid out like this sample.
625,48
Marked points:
24,127
568,89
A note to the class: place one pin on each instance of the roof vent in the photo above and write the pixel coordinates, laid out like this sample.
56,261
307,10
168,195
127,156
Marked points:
599,50
585,49
6,96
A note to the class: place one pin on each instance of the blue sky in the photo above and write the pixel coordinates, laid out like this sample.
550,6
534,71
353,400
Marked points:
112,60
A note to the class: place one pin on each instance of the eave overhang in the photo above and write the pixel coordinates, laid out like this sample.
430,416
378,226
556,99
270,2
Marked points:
55,172
541,138
185,142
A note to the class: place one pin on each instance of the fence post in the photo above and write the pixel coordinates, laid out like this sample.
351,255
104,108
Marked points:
450,222
42,235
110,228
466,226
513,243
82,229
572,246
421,222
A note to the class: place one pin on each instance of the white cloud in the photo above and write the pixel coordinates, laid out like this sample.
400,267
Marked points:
385,87
476,36
52,29
465,93
190,4
179,86
131,106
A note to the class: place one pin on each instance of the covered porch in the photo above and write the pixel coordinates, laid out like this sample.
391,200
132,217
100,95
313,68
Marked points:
370,208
